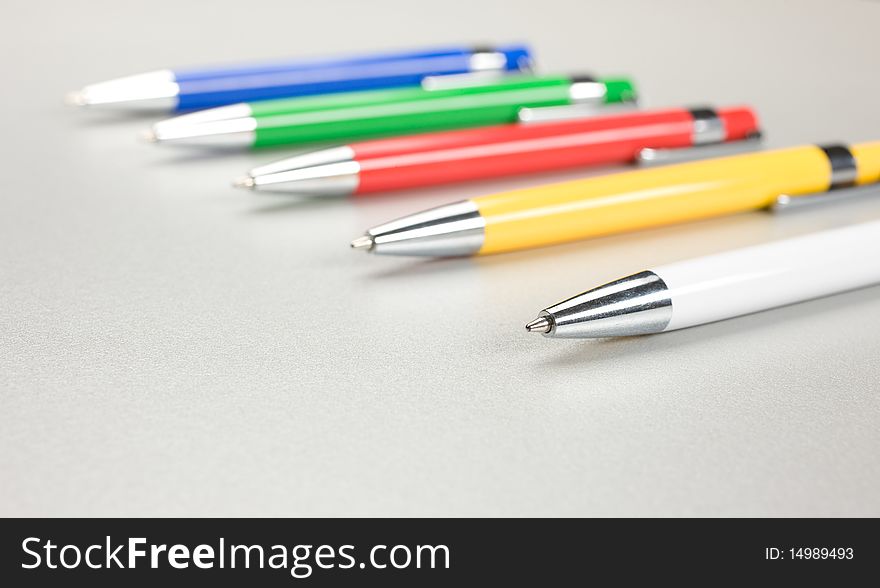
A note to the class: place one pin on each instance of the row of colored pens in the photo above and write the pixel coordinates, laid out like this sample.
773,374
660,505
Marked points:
401,120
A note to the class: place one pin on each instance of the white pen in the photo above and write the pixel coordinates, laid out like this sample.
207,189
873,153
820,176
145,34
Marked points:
721,286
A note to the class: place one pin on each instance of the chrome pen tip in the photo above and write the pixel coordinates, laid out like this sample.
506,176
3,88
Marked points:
76,98
540,325
149,135
365,242
244,182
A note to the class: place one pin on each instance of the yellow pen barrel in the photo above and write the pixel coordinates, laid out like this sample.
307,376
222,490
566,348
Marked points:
640,199
867,157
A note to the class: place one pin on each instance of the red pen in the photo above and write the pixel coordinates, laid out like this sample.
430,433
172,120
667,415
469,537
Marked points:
530,146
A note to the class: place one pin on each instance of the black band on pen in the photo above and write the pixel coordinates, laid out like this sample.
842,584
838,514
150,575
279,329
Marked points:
703,113
583,79
844,168
483,49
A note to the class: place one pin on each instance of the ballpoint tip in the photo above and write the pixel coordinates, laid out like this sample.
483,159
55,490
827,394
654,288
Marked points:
365,242
244,182
149,136
540,325
75,99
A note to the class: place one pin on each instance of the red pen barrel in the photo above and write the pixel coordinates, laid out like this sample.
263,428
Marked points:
432,141
458,156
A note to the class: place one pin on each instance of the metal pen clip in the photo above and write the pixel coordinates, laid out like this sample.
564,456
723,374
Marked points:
463,80
787,203
648,157
538,114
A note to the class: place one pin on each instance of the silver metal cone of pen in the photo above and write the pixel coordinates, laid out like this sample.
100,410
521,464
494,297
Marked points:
328,172
450,230
155,90
635,305
309,159
235,132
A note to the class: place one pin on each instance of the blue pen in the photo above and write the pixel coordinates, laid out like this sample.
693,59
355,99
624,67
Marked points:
209,87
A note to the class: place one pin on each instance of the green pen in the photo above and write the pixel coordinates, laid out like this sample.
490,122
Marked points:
442,103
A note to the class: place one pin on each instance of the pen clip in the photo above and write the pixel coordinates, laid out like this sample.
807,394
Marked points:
649,157
788,203
529,115
462,80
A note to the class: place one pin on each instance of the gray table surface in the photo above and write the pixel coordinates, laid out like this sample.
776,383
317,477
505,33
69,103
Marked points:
171,346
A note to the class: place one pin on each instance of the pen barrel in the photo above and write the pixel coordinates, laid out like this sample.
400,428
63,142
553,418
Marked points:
210,88
424,114
310,63
646,198
757,278
867,156
522,149
392,96
213,92
406,144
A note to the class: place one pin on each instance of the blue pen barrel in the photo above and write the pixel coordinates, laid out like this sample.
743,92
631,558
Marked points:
306,63
210,88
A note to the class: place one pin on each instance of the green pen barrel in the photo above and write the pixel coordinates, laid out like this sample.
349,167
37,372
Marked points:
399,95
384,113
618,90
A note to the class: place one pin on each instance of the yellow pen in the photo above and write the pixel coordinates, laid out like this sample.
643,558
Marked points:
628,201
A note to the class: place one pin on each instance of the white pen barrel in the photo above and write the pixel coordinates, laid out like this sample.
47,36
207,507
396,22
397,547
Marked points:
757,278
